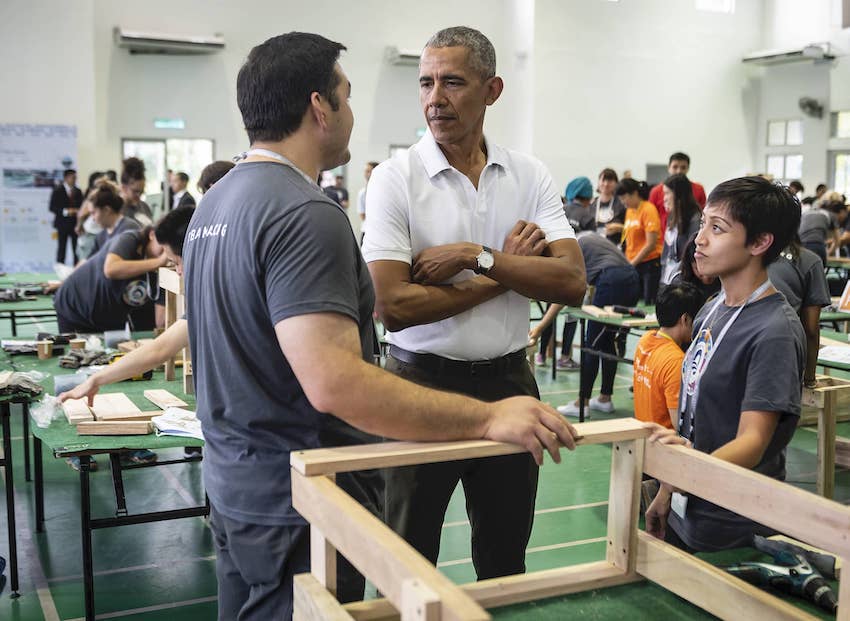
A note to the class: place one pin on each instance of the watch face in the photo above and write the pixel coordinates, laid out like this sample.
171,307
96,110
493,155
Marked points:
485,260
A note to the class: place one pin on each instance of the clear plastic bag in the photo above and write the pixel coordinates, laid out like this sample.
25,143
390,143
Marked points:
45,411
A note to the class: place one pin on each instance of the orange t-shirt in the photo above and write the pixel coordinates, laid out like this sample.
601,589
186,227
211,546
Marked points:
658,375
638,223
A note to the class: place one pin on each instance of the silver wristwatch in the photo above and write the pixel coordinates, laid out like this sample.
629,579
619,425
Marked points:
485,260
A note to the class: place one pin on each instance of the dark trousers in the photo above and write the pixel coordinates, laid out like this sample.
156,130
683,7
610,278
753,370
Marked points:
64,236
615,285
650,276
548,334
500,491
255,565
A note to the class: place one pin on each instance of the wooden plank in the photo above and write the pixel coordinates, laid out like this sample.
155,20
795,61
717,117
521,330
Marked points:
170,318
188,379
826,445
390,454
137,416
753,495
842,452
113,406
163,399
323,557
601,313
843,597
374,549
508,590
419,603
624,503
312,602
707,586
77,410
170,280
115,428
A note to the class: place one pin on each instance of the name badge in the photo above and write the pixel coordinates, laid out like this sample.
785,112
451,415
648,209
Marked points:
679,504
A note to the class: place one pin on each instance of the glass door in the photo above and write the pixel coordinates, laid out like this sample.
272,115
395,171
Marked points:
188,155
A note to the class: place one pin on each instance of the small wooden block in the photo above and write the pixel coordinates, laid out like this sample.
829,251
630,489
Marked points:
77,411
164,399
595,311
113,406
115,428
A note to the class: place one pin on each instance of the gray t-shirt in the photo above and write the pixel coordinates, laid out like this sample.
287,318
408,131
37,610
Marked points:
124,224
581,218
802,282
816,224
599,254
758,366
267,246
91,302
141,212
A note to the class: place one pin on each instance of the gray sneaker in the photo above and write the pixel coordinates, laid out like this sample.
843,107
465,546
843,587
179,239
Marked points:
567,364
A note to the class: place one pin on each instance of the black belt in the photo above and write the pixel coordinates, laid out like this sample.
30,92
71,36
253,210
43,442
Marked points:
460,368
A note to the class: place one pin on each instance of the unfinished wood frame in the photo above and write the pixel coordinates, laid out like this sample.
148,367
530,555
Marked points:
414,589
175,306
824,399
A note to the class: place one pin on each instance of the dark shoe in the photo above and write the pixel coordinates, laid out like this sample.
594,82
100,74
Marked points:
192,452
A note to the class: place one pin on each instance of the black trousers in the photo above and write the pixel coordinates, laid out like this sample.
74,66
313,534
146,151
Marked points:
650,276
64,236
500,491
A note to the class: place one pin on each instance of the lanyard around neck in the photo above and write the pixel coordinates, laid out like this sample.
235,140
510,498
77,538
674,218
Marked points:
277,156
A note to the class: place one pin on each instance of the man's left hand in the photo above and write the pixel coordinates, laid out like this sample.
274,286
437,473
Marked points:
525,239
437,265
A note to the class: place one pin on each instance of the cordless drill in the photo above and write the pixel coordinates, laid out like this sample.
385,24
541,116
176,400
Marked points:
795,572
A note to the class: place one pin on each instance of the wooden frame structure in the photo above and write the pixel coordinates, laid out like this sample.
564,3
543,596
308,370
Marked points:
415,590
175,306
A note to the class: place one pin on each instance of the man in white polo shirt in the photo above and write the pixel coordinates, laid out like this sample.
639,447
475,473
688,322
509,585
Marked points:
461,234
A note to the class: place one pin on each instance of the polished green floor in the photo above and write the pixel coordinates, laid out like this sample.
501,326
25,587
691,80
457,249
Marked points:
166,570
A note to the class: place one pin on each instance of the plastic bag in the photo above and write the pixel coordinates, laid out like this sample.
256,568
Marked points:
46,411
35,376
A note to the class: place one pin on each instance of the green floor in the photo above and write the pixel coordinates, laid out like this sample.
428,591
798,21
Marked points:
166,570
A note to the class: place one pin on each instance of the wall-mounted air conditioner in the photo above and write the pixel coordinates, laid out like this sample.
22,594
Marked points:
396,56
814,51
138,42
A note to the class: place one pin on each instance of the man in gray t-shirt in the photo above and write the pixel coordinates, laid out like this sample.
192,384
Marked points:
280,326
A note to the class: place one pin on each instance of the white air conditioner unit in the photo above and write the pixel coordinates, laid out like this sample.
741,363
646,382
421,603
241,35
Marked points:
396,56
814,51
159,43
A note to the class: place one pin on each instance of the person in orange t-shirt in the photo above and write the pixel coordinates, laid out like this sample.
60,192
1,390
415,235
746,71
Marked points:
642,234
659,355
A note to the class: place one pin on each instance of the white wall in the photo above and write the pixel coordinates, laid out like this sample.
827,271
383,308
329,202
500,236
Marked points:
623,84
48,74
790,24
589,83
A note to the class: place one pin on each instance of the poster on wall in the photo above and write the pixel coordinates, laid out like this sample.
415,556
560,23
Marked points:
32,158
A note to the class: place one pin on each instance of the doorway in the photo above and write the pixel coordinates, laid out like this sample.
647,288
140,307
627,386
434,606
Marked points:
189,155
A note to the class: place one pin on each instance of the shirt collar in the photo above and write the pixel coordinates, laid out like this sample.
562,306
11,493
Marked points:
67,188
435,160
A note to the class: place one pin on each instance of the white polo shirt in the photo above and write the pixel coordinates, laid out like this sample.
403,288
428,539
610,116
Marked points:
416,200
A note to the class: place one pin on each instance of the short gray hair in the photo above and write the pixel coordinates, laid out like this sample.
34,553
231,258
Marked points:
482,55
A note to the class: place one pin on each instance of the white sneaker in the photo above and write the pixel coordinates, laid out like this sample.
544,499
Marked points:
571,409
601,406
